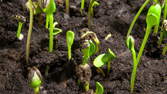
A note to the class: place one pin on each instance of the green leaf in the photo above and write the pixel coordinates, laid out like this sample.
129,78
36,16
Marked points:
50,8
99,88
103,59
69,39
153,15
98,61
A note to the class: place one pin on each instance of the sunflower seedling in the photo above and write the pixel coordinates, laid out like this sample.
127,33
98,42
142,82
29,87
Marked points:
83,71
21,20
69,40
90,10
30,7
35,79
152,19
104,59
99,88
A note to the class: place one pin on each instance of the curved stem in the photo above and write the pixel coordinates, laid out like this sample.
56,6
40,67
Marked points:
136,17
148,30
29,32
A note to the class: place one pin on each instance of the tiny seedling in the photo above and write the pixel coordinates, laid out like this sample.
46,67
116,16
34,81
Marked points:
90,10
53,32
152,19
99,88
35,79
30,7
67,6
104,59
69,39
82,6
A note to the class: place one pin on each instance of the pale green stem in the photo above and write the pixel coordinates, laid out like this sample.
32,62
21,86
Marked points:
19,29
47,21
136,17
29,32
51,32
36,90
69,53
148,30
134,71
82,6
67,6
89,13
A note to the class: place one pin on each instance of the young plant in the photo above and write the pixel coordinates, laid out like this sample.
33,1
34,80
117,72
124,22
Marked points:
104,59
90,10
99,88
67,6
49,10
21,20
152,19
30,7
69,39
35,79
82,6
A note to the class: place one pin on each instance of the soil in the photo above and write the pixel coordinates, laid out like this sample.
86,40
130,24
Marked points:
111,17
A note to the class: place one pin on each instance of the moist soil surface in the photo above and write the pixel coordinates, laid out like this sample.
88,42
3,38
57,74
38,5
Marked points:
111,17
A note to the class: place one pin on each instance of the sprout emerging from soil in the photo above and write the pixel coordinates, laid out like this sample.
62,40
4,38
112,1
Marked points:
69,39
30,7
21,19
35,79
90,10
99,88
152,19
103,59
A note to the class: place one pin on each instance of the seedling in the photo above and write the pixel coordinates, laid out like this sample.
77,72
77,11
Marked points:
21,20
82,6
89,35
67,6
30,7
35,79
104,59
53,32
99,88
69,39
152,19
88,51
90,10
49,10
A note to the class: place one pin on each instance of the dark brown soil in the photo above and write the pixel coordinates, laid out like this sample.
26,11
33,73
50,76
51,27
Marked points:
111,17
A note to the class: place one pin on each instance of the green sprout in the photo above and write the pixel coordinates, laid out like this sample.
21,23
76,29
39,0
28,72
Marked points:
53,32
99,88
88,51
69,39
49,10
90,10
104,59
67,6
152,19
21,20
30,7
82,6
35,79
